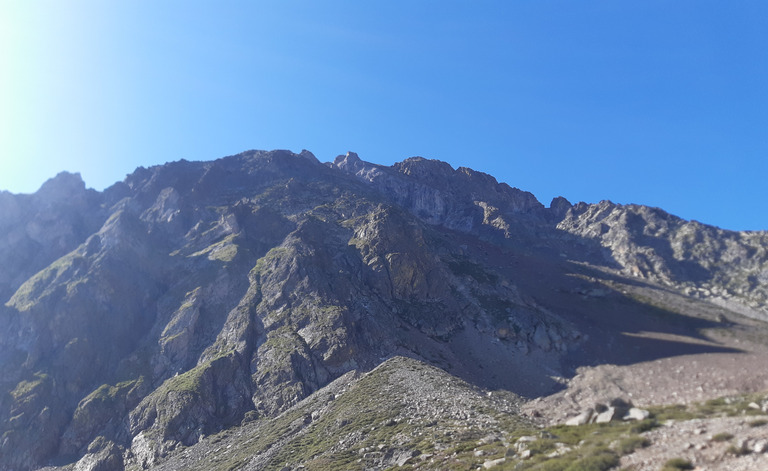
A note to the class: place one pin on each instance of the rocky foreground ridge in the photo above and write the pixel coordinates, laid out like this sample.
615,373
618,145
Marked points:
263,300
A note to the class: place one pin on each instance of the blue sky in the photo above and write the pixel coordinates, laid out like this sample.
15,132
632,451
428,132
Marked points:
663,103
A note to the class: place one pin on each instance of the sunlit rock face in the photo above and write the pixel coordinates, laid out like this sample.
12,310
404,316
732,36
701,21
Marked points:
194,297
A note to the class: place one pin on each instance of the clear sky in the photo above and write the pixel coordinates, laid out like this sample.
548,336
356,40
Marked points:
663,103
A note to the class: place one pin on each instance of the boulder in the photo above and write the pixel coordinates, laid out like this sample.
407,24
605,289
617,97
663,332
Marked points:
635,413
616,409
760,446
609,415
581,419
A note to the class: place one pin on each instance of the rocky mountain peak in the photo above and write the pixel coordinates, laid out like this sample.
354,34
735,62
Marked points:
348,162
559,206
63,186
197,298
308,155
424,169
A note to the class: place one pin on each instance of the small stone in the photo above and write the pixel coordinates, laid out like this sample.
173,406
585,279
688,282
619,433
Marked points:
491,463
760,446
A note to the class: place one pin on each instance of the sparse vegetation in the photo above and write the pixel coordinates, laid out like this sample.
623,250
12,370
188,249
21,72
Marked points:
106,392
586,447
722,437
629,444
676,464
264,263
28,387
465,267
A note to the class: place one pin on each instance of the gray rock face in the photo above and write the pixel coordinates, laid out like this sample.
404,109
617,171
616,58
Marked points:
457,199
726,267
197,296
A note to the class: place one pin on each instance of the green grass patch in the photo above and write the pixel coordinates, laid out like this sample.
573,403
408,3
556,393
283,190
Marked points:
595,447
673,412
587,458
106,392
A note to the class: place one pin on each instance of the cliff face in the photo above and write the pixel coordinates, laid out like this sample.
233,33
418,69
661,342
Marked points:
195,296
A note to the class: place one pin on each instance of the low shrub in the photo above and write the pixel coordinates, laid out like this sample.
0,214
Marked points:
722,437
734,450
677,463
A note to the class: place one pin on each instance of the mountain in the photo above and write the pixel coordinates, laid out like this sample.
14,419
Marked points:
333,315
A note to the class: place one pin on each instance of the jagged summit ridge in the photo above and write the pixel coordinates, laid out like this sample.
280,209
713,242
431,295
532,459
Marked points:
458,199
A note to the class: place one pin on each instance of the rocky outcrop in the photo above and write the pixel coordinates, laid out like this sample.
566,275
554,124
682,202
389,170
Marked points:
201,401
102,455
729,268
617,409
435,192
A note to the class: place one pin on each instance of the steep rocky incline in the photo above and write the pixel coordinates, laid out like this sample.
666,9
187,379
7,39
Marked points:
402,412
194,297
